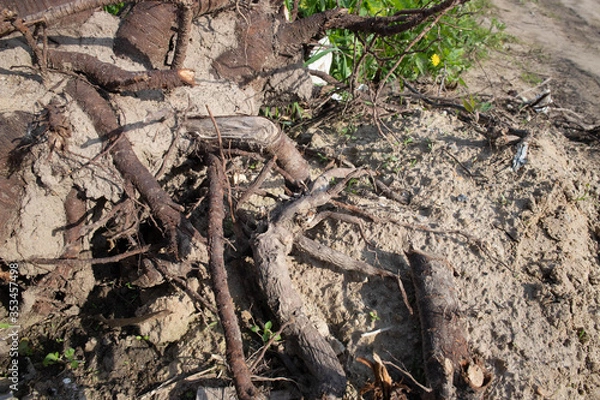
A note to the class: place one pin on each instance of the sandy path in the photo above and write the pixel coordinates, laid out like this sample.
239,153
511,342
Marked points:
567,29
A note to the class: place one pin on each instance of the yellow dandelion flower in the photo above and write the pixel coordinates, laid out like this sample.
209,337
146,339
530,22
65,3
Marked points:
435,60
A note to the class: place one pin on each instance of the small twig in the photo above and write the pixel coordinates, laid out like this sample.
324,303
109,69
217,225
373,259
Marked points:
38,56
389,193
459,163
375,332
409,376
262,176
404,296
224,166
93,261
195,296
545,82
166,386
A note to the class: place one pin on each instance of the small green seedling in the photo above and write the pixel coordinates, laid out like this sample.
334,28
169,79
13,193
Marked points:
374,317
351,185
266,333
68,357
51,359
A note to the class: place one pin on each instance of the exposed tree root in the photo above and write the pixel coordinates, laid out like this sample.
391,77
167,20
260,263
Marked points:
255,134
337,258
75,212
270,254
452,372
113,78
146,32
233,337
179,229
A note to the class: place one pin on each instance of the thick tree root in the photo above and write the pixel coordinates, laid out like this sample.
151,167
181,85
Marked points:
451,371
146,32
270,254
256,134
113,78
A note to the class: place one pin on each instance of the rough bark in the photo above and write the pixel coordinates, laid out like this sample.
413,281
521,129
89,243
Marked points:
146,32
47,12
75,212
12,126
451,371
270,254
24,8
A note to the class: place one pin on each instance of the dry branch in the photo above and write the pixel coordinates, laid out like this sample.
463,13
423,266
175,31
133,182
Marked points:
291,36
451,371
233,337
337,258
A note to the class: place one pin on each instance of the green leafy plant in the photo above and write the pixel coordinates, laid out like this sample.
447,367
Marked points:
351,186
68,357
266,332
51,359
374,316
115,8
444,51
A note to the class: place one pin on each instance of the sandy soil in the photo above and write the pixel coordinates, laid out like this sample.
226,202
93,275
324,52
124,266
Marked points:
524,245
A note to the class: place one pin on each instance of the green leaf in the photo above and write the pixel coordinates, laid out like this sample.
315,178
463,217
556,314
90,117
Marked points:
320,55
268,325
51,359
69,353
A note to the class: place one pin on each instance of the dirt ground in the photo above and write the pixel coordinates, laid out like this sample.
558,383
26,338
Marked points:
524,245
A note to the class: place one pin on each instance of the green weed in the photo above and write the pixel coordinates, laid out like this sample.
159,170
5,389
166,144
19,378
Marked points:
266,332
68,358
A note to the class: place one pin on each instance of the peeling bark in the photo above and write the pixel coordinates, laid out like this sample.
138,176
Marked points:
256,134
